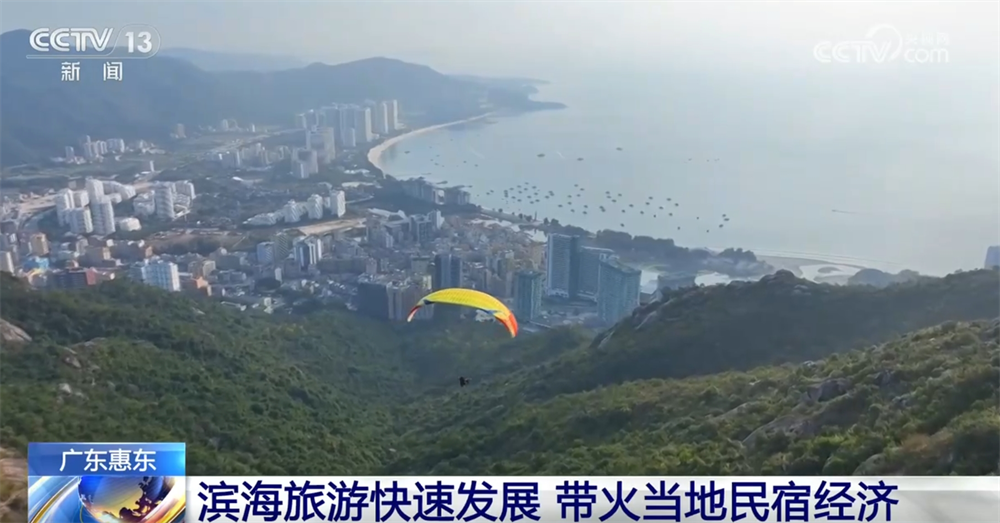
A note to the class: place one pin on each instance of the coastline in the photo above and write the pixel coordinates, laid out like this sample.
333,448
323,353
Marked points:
779,261
793,263
375,153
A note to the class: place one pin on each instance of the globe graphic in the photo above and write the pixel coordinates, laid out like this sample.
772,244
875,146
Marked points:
123,499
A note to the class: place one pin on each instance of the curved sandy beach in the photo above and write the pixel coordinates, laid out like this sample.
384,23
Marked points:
375,153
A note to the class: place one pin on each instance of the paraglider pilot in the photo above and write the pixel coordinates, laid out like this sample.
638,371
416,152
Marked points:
473,299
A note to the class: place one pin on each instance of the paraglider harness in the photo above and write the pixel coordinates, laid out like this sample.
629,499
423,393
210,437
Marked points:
463,381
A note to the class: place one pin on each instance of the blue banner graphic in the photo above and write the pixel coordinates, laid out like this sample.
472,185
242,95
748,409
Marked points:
106,482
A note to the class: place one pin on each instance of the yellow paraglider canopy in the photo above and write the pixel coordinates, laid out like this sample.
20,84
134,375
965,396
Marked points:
470,298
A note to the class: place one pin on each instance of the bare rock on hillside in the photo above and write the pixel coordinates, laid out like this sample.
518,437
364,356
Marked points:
12,334
13,486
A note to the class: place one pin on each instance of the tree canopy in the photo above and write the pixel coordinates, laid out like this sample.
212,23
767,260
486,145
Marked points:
742,379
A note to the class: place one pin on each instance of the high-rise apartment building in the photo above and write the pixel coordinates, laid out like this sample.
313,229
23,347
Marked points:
448,271
163,201
589,275
80,221
392,111
380,119
562,265
363,125
103,214
527,295
620,287
265,253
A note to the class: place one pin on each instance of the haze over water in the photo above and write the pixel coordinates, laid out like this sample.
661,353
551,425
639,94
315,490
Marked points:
910,156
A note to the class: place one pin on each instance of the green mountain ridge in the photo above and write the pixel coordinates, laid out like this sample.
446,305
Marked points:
335,393
925,404
43,114
227,61
778,319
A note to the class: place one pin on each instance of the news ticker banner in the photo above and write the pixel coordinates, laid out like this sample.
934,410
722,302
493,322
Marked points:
107,482
145,483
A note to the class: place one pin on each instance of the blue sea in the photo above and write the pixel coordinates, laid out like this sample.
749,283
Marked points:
886,169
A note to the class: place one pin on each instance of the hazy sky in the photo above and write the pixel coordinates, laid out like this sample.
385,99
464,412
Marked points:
530,37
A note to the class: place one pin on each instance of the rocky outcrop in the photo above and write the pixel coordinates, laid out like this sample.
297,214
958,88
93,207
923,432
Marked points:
76,355
70,358
880,279
13,486
736,412
826,391
12,334
871,466
839,411
66,390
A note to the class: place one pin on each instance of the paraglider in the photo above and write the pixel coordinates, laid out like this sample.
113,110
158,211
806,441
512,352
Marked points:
470,298
463,381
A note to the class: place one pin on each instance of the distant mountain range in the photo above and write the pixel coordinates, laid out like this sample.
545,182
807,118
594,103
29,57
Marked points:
42,114
219,61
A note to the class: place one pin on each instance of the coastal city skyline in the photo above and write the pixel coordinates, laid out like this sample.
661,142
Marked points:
367,272
565,270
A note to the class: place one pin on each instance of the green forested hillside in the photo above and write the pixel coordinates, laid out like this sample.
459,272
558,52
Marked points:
246,392
778,319
925,403
334,393
124,362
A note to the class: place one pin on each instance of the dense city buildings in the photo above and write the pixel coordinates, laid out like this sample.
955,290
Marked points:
97,151
331,204
379,264
316,243
348,126
91,210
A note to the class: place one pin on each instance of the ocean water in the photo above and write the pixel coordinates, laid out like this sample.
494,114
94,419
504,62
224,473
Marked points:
883,170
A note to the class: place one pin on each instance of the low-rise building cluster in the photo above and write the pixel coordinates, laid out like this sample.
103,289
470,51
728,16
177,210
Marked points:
95,151
426,191
333,204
